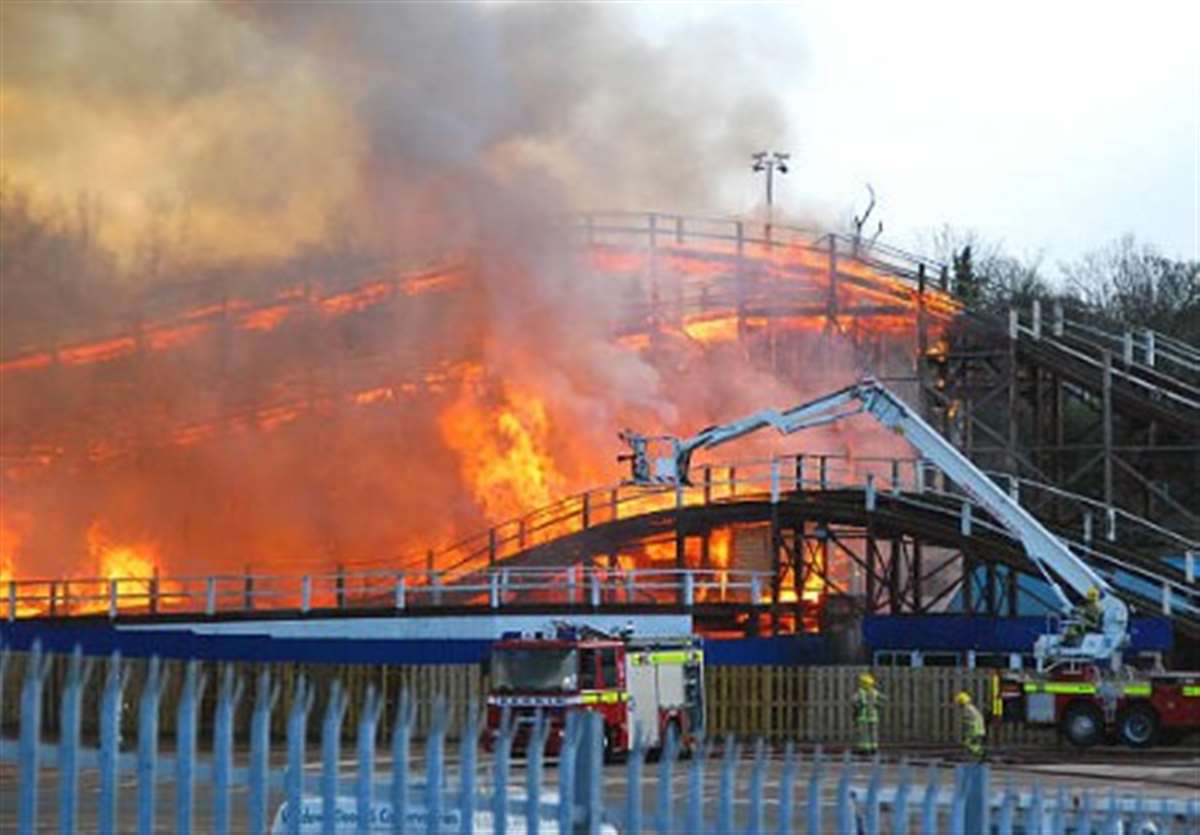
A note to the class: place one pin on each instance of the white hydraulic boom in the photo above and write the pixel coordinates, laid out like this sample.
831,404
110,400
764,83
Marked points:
1053,559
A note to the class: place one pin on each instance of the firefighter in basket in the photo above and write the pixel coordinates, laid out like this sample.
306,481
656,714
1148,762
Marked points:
1085,617
866,714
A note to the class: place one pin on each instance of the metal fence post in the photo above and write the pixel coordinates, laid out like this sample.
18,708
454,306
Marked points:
728,777
872,802
589,772
694,809
400,591
1083,818
663,817
501,755
535,753
401,738
331,749
229,694
468,745
435,746
185,745
958,801
1008,804
755,826
364,782
900,805
110,743
297,729
929,811
566,772
210,595
814,791
845,811
266,693
787,785
68,746
1036,812
1112,820
37,666
1058,819
978,809
633,783
147,759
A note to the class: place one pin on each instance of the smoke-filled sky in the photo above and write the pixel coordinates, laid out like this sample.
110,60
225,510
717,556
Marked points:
1053,127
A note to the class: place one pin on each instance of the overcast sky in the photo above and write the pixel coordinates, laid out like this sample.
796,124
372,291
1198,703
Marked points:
1053,127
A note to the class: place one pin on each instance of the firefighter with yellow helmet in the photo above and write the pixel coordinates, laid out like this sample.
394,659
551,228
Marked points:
866,714
1086,617
973,730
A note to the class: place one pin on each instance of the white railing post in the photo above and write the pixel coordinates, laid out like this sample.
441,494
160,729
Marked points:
1166,598
1087,527
1014,488
755,588
1037,319
1014,323
919,475
305,593
1127,348
494,590
870,492
1058,318
965,519
1110,524
401,591
594,589
774,481
1189,566
1150,350
210,595
571,585
689,589
112,599
629,585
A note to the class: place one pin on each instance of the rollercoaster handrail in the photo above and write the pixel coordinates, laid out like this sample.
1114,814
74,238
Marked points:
1059,328
1105,510
740,230
1149,388
212,594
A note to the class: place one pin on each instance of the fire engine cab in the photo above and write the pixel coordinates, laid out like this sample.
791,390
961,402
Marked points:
1088,707
647,684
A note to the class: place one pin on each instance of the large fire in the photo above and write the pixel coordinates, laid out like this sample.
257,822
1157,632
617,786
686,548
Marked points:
490,441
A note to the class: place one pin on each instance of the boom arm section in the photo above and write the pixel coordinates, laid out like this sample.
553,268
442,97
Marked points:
1044,549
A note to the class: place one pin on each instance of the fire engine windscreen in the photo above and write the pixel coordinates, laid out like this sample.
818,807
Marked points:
534,669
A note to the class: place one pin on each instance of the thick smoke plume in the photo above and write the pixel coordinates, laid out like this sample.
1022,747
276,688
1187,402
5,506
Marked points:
153,148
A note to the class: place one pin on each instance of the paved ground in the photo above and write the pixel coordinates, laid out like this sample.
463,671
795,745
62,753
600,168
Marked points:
1175,774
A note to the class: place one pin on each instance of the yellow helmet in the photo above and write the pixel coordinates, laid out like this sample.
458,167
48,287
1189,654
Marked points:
866,680
963,697
1093,594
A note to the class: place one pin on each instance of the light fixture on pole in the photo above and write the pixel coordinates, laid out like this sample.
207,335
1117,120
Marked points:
770,162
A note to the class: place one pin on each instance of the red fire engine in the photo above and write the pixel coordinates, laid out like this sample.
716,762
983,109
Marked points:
650,684
1135,709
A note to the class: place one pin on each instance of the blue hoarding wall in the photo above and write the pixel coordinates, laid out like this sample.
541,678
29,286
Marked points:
959,633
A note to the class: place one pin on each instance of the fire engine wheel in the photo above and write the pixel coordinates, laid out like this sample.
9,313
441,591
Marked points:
1138,726
1083,724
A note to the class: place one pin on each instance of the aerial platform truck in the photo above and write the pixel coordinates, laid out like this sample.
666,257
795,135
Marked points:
651,686
1080,684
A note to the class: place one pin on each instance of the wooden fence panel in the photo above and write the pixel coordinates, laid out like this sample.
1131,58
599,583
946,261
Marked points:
816,704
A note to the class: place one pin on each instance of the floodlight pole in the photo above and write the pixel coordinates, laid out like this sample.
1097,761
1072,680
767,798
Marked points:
769,162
